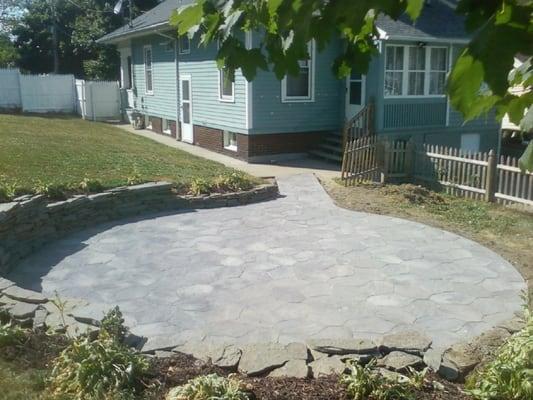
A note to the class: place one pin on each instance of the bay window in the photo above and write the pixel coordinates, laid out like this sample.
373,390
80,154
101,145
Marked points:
415,71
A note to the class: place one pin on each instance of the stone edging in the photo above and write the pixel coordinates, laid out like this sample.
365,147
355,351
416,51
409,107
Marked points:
29,222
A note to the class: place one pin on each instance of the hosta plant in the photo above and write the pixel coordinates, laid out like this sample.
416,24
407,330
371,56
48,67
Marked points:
209,387
510,375
10,334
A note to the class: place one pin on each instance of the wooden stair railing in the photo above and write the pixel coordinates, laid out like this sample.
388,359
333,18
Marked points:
360,125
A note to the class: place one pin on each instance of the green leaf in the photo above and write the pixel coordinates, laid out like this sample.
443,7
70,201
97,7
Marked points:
188,17
414,8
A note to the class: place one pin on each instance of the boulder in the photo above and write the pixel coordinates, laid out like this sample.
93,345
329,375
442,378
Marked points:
400,361
39,319
5,283
292,369
513,325
408,342
23,310
224,356
24,295
342,346
258,359
327,366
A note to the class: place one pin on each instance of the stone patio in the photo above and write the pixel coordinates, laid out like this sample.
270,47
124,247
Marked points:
290,270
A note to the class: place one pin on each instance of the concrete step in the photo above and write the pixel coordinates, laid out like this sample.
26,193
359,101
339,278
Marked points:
326,155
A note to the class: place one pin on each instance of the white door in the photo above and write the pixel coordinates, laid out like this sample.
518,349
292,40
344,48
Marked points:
355,94
186,109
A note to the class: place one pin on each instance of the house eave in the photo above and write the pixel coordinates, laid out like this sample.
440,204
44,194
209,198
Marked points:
133,34
424,39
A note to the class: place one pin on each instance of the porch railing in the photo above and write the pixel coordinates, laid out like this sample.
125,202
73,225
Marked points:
359,126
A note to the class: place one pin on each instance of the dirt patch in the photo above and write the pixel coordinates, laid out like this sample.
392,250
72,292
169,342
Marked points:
506,230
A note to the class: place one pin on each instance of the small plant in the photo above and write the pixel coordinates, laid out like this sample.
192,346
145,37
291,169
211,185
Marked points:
510,375
135,177
8,189
200,186
54,191
233,182
363,382
91,185
209,387
113,324
101,369
417,379
10,335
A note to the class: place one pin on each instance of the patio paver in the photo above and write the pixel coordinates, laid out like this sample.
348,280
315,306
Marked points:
293,269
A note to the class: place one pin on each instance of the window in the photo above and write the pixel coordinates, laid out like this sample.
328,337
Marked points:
128,72
166,126
230,140
300,87
185,44
169,46
148,73
415,70
356,88
470,142
226,86
147,122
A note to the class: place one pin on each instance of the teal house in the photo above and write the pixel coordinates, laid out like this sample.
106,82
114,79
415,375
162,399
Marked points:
178,90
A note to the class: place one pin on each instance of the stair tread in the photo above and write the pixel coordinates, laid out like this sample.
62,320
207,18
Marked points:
330,147
326,155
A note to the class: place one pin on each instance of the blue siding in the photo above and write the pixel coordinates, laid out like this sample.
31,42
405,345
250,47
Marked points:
404,113
271,115
163,102
208,110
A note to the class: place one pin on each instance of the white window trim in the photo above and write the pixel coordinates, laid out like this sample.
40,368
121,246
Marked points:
148,47
181,51
230,147
405,73
221,97
302,99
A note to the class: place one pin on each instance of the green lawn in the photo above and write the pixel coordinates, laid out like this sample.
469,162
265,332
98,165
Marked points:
37,151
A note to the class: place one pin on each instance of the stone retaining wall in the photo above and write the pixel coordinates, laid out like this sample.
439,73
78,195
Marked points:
29,222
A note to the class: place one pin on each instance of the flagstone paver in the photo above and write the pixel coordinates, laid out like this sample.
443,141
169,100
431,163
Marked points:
289,270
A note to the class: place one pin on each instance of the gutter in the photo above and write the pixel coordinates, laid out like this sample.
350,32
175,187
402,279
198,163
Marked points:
425,38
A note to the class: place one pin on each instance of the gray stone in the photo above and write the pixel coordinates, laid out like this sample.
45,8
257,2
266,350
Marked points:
458,361
58,323
4,300
513,325
224,356
164,354
400,361
39,319
134,341
449,371
90,314
327,366
261,358
27,296
433,358
162,343
5,283
292,369
23,310
77,329
342,346
409,342
392,376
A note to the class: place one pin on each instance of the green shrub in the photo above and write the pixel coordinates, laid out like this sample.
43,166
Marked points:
510,375
113,324
363,382
99,369
233,182
54,191
210,387
8,189
10,335
200,186
91,185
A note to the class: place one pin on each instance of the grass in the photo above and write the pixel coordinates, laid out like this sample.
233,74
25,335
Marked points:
21,383
46,151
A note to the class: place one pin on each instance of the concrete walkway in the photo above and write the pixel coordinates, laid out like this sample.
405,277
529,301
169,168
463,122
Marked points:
286,270
298,165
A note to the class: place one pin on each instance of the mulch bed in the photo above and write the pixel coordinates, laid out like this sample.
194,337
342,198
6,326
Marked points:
179,369
39,349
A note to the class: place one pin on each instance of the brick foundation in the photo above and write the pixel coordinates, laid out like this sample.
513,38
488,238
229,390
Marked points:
157,126
249,146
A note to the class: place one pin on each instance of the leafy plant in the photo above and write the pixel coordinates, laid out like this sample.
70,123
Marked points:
510,375
54,191
101,369
113,324
8,189
417,379
91,185
135,177
233,182
200,186
361,380
209,387
10,335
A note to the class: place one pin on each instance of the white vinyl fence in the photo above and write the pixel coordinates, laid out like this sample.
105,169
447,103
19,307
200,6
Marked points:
96,101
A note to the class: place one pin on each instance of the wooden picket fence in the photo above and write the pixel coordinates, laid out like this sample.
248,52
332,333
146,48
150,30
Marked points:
476,176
